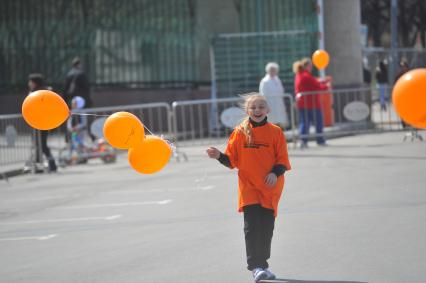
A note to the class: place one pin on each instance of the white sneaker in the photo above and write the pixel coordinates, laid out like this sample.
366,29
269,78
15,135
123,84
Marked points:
270,275
259,274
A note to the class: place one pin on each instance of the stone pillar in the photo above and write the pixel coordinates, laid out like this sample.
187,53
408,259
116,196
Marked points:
212,17
342,20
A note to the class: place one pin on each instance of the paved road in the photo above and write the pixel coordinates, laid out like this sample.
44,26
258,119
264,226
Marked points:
352,212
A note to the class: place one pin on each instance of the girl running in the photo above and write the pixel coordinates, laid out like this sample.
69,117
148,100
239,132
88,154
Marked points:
259,150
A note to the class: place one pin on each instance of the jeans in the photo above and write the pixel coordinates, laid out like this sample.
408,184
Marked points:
259,225
383,95
307,116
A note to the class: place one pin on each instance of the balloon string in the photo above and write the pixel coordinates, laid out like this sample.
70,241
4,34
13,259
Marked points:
172,146
89,114
148,130
99,115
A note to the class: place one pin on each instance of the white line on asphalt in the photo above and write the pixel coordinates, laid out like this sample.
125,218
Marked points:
161,202
107,218
187,189
39,238
149,191
34,199
206,188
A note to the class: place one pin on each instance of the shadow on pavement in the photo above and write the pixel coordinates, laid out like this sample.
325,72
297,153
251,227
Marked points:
278,280
345,156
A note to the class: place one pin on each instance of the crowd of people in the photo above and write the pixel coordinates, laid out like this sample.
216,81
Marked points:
307,91
308,104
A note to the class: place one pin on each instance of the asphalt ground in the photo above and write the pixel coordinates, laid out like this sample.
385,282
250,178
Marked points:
354,211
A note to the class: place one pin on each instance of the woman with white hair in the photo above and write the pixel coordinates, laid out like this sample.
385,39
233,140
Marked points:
272,88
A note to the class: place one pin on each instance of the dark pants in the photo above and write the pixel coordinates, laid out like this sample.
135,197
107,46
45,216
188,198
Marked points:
308,116
258,229
41,142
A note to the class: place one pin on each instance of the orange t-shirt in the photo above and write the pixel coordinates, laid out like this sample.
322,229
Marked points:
255,161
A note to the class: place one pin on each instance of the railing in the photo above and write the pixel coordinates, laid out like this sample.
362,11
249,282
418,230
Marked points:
204,121
345,111
201,122
18,143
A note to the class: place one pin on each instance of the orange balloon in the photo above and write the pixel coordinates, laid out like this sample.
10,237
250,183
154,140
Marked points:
409,97
320,59
123,130
44,110
150,156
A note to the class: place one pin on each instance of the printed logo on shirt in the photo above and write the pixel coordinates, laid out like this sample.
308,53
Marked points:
255,145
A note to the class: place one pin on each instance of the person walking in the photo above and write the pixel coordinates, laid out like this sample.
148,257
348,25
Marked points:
35,83
308,101
382,83
77,84
258,149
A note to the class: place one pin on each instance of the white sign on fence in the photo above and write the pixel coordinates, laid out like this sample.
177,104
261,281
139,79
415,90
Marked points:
356,111
96,128
232,116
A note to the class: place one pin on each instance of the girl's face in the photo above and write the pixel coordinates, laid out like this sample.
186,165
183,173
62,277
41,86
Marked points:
257,110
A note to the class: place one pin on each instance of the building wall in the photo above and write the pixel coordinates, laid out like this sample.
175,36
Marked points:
213,17
342,19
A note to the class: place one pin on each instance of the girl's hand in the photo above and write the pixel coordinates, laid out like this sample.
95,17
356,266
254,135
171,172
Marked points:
271,179
213,152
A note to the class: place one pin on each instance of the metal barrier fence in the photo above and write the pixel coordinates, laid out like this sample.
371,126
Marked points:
200,122
205,121
155,116
16,139
344,111
17,144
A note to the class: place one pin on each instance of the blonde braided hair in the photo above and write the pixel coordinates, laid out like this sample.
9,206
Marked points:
244,127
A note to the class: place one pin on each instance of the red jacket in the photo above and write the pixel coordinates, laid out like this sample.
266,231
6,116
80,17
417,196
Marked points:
305,82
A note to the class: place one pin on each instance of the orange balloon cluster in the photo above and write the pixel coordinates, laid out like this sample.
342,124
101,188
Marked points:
44,110
320,58
409,97
146,155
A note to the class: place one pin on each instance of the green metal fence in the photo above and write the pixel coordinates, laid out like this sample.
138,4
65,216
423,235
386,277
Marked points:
138,41
239,59
130,42
277,15
272,30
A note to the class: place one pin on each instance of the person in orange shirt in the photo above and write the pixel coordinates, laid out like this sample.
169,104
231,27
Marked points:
259,150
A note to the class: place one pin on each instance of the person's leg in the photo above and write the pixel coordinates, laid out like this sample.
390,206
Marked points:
319,124
382,96
252,228
386,93
268,224
37,146
46,151
303,125
310,119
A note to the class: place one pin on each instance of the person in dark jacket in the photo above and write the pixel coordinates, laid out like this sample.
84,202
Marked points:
403,69
36,82
77,84
382,83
